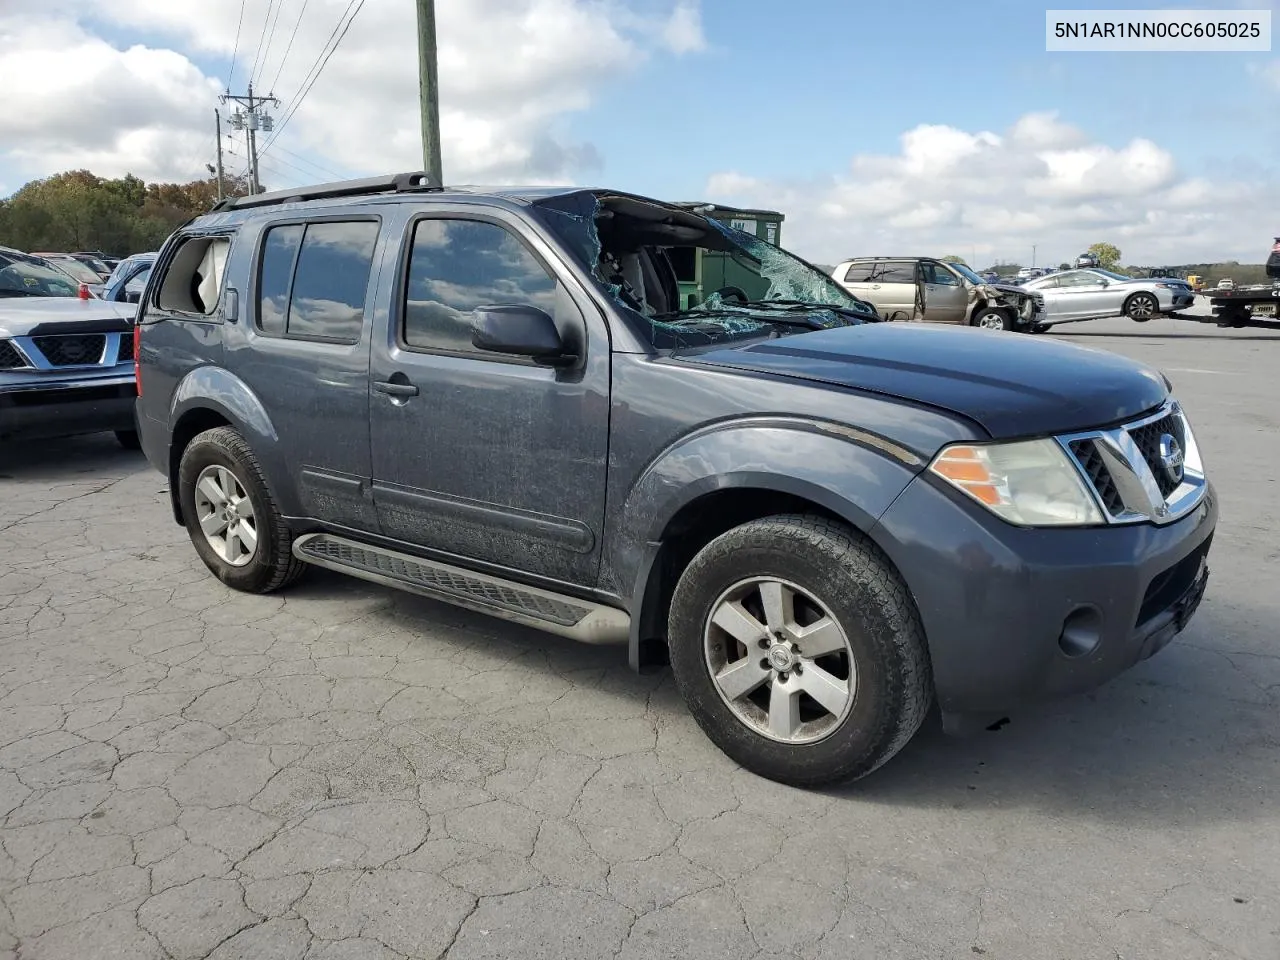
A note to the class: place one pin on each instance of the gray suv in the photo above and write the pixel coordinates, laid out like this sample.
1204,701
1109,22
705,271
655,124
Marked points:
823,522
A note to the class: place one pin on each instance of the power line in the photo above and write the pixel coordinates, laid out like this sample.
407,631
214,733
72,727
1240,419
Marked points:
303,94
270,37
276,158
283,60
235,48
261,41
329,171
332,33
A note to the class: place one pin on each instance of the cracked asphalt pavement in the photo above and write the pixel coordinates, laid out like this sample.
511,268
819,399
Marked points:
341,771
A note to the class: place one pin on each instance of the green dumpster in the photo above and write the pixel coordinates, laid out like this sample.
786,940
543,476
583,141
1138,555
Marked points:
701,272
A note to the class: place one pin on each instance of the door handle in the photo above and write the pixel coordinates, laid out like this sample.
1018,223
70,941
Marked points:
396,388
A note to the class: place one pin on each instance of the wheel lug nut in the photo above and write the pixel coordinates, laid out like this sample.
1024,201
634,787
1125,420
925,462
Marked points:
764,663
764,643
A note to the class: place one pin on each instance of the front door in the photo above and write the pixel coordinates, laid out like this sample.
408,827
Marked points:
946,298
1082,295
478,455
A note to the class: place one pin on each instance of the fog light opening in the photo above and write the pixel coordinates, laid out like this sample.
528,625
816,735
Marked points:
1081,632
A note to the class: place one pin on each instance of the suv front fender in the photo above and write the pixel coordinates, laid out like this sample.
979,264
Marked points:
851,473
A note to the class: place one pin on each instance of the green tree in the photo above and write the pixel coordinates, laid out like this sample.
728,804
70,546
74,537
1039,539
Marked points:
1064,266
1108,255
952,258
77,210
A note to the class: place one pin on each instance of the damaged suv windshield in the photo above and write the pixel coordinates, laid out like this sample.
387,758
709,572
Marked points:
693,280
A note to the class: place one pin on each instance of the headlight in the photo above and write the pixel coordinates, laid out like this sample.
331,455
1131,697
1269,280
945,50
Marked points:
1031,482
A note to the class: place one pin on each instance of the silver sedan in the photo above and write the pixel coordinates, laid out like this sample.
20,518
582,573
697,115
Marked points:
1093,293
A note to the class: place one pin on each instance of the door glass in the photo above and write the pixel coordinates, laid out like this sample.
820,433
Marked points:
1078,280
458,265
897,271
859,273
332,281
278,254
938,274
314,280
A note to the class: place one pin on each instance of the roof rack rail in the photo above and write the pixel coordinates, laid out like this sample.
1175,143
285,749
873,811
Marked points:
418,180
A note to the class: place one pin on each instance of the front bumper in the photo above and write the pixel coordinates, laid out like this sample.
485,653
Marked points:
57,407
1014,616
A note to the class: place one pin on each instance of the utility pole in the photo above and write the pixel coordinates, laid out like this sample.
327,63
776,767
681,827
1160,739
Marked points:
217,121
1033,254
252,119
428,91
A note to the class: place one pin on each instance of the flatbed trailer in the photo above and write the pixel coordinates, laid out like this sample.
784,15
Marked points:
1254,306
1257,306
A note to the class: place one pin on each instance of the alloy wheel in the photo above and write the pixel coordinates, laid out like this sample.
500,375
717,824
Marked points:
780,660
226,515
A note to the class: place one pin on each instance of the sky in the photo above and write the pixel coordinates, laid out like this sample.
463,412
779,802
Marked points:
913,127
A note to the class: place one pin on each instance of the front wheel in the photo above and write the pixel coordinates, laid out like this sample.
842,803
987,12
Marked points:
231,516
799,651
992,318
1141,307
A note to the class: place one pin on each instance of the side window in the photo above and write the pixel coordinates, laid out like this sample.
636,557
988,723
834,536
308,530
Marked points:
458,265
1078,280
936,273
193,282
859,273
314,280
896,271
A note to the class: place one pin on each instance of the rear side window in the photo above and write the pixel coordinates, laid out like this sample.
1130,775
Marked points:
859,273
896,271
314,280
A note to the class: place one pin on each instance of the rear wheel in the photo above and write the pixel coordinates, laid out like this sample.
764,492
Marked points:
129,439
1141,307
230,515
799,651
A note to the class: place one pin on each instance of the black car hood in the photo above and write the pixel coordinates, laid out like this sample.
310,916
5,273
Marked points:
1012,385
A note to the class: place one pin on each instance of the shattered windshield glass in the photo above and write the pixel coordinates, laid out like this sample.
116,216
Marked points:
693,280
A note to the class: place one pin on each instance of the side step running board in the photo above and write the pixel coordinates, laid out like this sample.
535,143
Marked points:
571,617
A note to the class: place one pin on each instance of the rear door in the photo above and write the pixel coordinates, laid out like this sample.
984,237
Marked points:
857,280
893,283
946,298
304,351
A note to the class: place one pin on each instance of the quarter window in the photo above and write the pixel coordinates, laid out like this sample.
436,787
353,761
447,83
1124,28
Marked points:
315,278
458,265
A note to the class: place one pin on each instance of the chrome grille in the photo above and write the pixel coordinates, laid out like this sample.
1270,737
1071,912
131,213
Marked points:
72,350
1128,473
10,358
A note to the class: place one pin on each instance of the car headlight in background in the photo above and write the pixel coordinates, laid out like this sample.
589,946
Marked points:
1029,482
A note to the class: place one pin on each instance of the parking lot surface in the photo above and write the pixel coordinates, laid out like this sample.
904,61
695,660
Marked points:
342,771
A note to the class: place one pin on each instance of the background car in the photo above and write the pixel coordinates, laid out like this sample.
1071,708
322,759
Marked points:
937,291
23,276
1086,260
75,269
1226,283
1073,295
96,264
129,279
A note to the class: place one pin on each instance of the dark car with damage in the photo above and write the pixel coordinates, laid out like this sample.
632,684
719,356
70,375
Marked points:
822,521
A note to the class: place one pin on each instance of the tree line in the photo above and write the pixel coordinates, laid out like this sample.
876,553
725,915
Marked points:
78,210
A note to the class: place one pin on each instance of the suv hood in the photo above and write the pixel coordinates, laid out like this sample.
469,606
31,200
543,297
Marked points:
1012,385
25,316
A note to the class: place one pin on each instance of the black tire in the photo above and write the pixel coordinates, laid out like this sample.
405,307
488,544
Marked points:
988,315
273,565
129,439
863,594
1136,303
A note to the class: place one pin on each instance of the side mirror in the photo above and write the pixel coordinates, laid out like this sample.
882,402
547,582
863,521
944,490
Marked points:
520,329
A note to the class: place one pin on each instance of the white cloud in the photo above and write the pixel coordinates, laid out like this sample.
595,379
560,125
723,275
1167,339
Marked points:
683,31
994,195
1268,73
511,74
